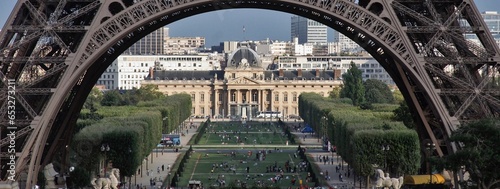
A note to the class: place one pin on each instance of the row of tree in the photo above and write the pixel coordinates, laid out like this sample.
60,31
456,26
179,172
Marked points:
360,135
369,92
478,152
131,132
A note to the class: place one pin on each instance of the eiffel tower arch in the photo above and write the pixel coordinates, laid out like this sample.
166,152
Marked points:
53,52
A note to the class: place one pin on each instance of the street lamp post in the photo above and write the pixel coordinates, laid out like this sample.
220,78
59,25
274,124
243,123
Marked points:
430,148
168,180
325,130
385,149
105,148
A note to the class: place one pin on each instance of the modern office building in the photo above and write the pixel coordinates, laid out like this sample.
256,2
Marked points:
244,87
152,44
370,68
183,45
127,71
492,20
308,31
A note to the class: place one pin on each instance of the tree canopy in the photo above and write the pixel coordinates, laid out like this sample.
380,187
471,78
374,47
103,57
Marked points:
479,153
131,97
377,91
402,113
353,85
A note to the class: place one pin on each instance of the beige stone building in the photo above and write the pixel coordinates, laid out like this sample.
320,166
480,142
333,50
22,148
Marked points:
244,87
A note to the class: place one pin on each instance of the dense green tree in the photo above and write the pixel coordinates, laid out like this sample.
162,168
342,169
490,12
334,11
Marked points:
148,93
335,93
94,99
80,178
112,98
145,93
398,97
353,85
377,91
402,113
479,153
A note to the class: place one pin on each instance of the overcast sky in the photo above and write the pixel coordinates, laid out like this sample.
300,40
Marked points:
226,25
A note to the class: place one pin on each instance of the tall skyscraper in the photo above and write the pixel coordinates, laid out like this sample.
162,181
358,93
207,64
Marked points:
492,19
308,31
152,44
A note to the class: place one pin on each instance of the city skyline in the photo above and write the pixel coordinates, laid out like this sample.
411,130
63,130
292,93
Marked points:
227,25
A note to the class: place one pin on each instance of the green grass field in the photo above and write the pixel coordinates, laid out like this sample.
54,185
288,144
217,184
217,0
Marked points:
233,170
249,134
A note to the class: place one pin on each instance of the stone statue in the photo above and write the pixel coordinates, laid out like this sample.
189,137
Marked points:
114,178
50,175
107,183
384,181
100,183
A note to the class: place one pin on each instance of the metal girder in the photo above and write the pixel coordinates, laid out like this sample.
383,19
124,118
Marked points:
35,14
80,12
18,123
65,29
27,107
432,29
26,39
51,72
433,11
383,31
19,133
33,60
413,13
57,12
59,41
454,60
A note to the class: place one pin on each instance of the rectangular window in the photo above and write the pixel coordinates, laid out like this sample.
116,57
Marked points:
276,97
285,97
202,110
202,97
193,97
233,97
294,97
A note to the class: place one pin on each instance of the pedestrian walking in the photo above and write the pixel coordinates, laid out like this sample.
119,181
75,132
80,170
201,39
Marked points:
162,167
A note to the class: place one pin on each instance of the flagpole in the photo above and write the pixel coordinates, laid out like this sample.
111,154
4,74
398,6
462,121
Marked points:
244,37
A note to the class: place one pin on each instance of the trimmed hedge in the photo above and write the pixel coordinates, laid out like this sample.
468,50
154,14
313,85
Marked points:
131,132
201,131
360,134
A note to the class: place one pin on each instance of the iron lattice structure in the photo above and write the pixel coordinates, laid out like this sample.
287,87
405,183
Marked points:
53,52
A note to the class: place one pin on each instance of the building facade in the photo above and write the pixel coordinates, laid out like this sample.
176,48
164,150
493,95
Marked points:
183,45
369,67
152,44
244,87
128,71
308,31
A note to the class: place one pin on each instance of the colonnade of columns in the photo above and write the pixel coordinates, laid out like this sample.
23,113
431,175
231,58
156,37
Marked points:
224,99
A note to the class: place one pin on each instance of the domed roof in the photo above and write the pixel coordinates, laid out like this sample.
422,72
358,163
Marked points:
244,57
